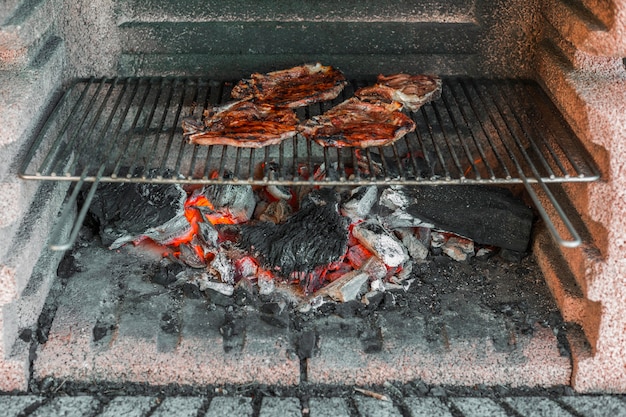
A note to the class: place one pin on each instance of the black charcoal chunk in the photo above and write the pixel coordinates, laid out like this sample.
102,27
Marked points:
124,211
487,215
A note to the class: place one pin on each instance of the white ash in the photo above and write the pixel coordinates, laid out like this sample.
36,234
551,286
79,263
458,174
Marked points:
247,268
208,234
377,285
311,303
393,198
437,239
360,203
203,281
236,201
266,284
222,268
190,257
346,288
414,245
382,243
375,268
164,234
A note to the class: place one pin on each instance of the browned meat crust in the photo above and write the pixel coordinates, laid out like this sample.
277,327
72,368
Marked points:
356,123
242,124
412,91
294,87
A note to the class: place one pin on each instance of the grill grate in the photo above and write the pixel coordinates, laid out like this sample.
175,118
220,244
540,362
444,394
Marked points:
478,132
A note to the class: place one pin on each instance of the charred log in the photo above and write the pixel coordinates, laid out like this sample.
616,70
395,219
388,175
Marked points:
487,215
127,210
314,236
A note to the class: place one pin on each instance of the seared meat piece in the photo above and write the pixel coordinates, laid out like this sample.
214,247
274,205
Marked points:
360,124
293,87
243,124
412,91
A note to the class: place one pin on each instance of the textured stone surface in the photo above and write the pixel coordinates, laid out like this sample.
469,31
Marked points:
432,407
373,407
287,407
591,93
179,406
596,406
134,344
67,407
230,406
328,407
536,406
408,352
478,407
129,406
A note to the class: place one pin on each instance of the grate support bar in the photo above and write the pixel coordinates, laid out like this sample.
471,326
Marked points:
480,132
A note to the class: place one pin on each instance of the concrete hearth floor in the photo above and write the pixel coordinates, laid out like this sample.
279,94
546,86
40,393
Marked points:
483,323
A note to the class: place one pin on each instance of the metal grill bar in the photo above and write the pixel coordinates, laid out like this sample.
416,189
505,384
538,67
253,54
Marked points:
478,132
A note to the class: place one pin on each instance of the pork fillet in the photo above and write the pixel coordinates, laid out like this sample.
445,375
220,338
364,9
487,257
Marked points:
242,124
412,91
360,124
294,87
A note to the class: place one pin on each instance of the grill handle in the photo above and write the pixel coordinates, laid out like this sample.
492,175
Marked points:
56,241
575,237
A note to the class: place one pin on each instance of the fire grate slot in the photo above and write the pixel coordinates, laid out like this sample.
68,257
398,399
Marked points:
478,132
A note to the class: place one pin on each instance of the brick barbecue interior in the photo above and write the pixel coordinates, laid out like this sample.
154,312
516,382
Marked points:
573,49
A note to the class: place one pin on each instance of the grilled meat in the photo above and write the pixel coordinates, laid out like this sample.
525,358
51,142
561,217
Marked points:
360,124
242,124
294,87
412,91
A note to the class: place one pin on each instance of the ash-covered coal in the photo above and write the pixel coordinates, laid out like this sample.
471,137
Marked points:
126,210
315,236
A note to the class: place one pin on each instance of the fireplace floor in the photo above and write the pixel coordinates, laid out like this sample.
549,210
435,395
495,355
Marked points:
490,322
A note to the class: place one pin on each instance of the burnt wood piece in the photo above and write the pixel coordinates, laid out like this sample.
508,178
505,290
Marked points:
315,236
487,215
126,210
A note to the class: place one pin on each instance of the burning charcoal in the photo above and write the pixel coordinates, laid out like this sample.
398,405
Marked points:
458,248
487,215
360,203
266,283
245,268
235,201
314,236
208,234
357,255
346,288
127,211
190,257
413,244
382,243
375,268
222,268
395,200
276,212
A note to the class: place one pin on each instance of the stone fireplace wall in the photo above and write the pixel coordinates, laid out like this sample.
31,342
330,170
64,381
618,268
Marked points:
580,61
